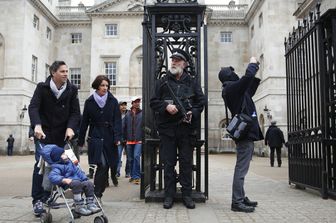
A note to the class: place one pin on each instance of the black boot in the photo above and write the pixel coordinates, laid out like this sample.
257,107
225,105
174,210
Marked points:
241,207
188,202
247,202
168,202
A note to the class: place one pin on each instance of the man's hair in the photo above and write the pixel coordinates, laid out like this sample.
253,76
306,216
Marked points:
54,67
99,79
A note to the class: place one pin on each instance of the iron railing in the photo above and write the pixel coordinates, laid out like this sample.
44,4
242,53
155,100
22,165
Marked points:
311,100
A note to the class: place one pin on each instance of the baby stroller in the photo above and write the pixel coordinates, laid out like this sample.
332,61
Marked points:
62,192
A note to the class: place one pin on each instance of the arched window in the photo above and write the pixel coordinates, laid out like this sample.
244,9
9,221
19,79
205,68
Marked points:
262,123
224,134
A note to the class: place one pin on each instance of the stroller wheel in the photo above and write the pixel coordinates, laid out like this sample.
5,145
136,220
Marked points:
105,219
46,218
100,219
76,215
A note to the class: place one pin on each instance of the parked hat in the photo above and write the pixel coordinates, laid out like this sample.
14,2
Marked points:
56,153
180,54
227,74
135,98
122,103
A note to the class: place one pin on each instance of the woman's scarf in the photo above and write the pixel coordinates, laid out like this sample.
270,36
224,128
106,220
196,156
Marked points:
100,100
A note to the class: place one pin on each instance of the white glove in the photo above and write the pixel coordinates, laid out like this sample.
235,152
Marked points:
253,60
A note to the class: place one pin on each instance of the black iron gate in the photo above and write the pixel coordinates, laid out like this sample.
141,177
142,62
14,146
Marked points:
311,102
168,26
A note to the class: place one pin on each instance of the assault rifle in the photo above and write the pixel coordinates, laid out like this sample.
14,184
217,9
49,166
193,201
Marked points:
177,101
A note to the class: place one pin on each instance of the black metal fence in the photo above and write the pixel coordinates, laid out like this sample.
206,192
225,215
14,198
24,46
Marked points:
311,102
167,26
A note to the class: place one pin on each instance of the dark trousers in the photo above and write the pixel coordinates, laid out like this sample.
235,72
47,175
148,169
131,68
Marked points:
10,150
38,193
79,187
244,156
278,152
169,146
100,179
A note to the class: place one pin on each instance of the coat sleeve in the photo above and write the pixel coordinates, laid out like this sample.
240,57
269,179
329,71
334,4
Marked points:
117,123
55,176
80,173
34,107
74,116
156,102
84,125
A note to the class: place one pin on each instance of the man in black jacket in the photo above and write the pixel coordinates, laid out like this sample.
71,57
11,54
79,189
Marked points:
274,138
175,127
235,92
10,142
54,115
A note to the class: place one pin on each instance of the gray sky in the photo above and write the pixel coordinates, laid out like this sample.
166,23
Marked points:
90,2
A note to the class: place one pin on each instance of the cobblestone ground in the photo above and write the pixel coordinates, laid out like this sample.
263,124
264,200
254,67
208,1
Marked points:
278,201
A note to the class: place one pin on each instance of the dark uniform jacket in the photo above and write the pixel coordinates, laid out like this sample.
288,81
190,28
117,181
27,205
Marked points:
104,131
274,137
54,115
185,88
235,92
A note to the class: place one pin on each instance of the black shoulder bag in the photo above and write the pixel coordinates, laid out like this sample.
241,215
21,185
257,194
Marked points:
240,124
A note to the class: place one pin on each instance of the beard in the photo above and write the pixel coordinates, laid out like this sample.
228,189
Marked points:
176,70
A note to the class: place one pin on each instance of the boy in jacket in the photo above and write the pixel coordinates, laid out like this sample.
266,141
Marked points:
66,174
235,91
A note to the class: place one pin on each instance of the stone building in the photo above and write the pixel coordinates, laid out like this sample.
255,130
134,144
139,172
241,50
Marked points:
106,38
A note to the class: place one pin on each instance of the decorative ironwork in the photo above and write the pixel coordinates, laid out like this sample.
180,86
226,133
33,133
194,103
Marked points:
177,1
168,27
311,102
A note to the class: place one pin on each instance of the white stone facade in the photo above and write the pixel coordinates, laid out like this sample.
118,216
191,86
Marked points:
257,28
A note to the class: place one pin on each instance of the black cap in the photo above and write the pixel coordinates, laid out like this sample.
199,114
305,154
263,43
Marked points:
180,54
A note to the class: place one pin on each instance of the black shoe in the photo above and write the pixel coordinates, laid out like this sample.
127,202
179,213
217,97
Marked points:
272,165
247,202
241,207
279,164
188,202
114,180
168,202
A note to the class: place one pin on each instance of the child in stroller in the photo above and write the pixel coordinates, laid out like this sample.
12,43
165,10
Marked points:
64,173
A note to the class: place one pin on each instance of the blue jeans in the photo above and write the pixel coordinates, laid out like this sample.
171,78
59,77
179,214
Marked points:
120,152
133,160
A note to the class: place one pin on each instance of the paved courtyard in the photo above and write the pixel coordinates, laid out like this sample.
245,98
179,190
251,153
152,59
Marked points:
278,201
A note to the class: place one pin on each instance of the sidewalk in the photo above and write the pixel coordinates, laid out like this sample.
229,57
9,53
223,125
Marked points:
278,201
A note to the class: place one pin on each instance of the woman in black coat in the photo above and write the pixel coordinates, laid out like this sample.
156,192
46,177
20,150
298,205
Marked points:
102,114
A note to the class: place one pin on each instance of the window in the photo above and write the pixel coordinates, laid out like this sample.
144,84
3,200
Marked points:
48,33
50,1
36,22
34,68
47,72
261,67
252,31
75,77
226,37
76,38
111,72
260,19
111,30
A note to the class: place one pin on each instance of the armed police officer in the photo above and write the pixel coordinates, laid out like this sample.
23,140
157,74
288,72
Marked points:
178,101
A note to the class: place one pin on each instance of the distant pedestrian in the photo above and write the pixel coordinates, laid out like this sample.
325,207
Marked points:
10,145
132,133
274,139
122,146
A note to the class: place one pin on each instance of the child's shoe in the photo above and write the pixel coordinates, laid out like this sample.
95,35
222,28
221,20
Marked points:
80,208
91,205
